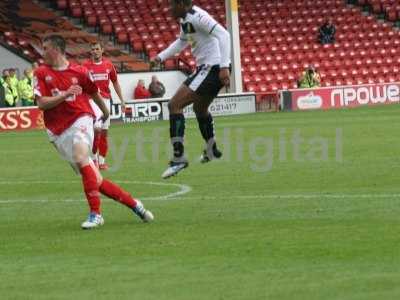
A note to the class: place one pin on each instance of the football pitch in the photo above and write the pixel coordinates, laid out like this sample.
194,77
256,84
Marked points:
304,205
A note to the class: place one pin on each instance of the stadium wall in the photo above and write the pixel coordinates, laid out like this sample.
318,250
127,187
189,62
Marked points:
11,60
24,118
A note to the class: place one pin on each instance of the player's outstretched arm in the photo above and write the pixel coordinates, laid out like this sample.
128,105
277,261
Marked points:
101,104
224,41
177,46
118,90
49,102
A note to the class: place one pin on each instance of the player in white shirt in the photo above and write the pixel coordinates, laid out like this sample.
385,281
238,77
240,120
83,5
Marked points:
210,43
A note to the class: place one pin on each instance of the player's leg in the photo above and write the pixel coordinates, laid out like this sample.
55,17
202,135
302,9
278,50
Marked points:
94,184
80,138
103,140
95,147
182,98
207,91
103,149
97,131
206,126
81,142
115,192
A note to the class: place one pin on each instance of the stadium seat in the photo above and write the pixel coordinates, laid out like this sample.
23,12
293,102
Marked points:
170,64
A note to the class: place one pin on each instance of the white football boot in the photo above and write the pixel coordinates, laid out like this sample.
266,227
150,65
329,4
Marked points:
210,153
94,220
174,168
143,213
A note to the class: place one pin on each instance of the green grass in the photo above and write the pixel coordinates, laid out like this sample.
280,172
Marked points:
264,223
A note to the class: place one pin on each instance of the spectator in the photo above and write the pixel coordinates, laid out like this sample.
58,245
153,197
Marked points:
14,83
25,88
35,65
327,32
156,88
140,91
10,99
2,88
310,79
5,74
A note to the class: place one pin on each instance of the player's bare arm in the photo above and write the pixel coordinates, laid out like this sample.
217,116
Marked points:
100,103
224,76
45,103
224,41
177,46
118,90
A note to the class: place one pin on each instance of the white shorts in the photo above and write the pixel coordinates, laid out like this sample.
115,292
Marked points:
98,113
81,131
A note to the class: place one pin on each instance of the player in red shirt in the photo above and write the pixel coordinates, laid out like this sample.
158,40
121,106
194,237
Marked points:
103,71
62,91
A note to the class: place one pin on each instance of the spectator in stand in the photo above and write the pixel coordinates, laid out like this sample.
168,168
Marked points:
25,88
310,79
140,91
327,32
10,100
156,88
14,83
2,87
3,76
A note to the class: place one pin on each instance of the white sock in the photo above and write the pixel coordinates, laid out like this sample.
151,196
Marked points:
101,160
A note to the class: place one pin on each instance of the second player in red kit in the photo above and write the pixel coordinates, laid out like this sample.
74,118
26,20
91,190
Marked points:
103,71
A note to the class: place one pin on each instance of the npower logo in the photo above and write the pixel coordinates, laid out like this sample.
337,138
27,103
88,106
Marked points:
363,95
15,119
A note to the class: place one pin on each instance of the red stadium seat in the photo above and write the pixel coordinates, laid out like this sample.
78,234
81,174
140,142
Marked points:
77,12
62,4
170,64
122,37
106,28
137,46
91,20
250,87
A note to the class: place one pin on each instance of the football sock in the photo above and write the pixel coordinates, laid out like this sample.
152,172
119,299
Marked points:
113,191
206,125
177,132
96,141
91,188
103,143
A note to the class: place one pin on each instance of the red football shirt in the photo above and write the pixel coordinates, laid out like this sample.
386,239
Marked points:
102,73
50,82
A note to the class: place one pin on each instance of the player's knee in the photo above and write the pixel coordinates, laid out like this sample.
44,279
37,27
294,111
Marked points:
200,110
173,107
81,159
81,154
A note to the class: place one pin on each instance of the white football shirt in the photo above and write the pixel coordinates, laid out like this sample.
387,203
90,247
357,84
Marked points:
196,29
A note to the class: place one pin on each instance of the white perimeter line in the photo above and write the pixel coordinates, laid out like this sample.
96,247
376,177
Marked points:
313,196
169,196
183,189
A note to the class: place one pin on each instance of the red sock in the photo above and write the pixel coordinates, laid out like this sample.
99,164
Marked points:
103,144
113,191
91,188
96,141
